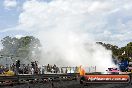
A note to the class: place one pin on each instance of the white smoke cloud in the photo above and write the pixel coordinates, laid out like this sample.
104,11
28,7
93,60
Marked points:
68,29
97,17
8,4
65,29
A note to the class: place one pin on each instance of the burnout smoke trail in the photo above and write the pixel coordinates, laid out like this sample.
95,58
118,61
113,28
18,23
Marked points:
65,28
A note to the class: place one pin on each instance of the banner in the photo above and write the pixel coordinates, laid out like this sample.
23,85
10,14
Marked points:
107,78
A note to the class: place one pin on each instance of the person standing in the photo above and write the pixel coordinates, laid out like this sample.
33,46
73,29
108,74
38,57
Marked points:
17,66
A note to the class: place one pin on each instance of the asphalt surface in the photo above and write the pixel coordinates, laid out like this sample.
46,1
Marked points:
68,84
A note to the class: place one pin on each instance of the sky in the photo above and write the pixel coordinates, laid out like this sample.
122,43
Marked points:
109,21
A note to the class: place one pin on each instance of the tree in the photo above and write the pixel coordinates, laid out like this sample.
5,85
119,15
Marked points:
23,49
121,53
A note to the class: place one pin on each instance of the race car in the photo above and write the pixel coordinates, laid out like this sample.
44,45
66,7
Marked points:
130,69
113,71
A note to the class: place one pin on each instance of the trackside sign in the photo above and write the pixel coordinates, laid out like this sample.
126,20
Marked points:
107,78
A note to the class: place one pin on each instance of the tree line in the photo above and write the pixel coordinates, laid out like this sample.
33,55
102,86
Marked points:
122,53
27,49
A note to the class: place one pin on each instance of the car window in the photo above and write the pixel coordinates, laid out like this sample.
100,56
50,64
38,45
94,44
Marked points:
114,68
109,69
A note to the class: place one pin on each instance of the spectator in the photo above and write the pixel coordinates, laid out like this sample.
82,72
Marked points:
33,65
28,69
54,68
48,68
13,67
32,71
61,70
36,70
17,66
43,69
66,70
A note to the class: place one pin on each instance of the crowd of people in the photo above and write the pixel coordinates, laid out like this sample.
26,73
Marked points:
34,68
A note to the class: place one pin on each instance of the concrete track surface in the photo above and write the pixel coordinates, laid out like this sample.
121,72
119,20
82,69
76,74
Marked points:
67,84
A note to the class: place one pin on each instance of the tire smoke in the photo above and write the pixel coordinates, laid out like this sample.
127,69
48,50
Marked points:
66,30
